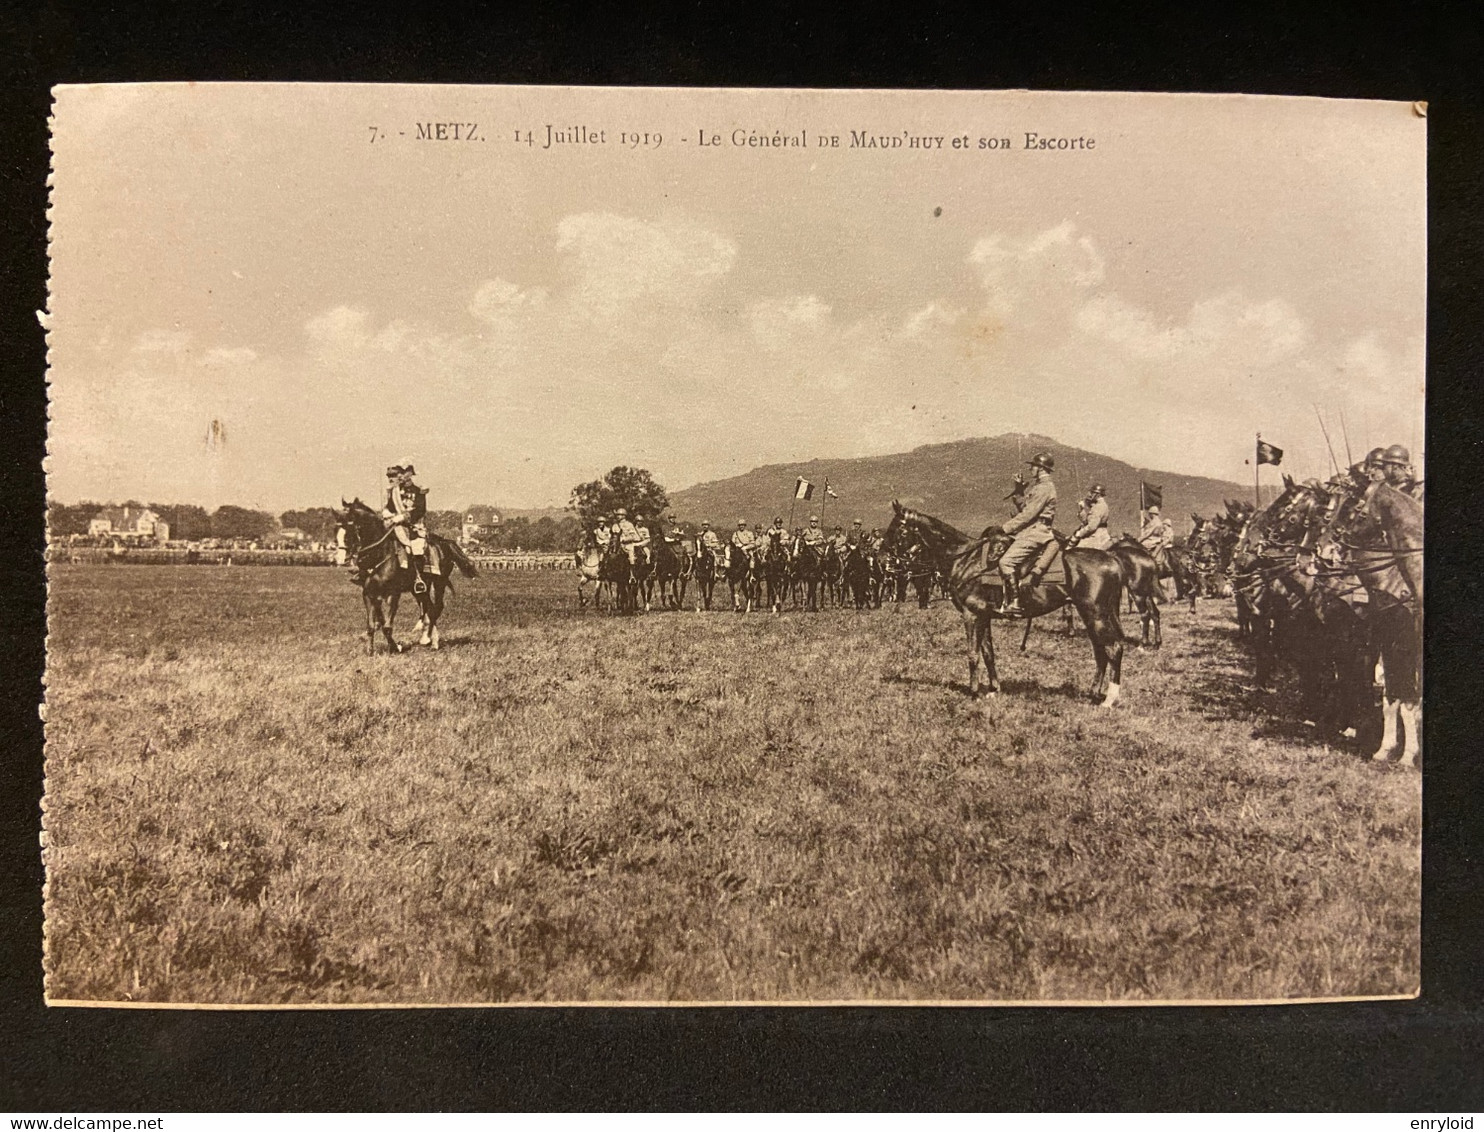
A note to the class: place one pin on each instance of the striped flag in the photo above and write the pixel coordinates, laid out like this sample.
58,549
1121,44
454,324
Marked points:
803,489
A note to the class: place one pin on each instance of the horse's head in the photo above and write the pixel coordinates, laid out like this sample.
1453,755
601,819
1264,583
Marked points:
357,526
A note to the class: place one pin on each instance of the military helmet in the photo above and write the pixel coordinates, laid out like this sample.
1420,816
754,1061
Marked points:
1097,489
1396,454
1374,456
777,518
1154,510
741,522
1042,460
622,513
814,518
856,523
705,522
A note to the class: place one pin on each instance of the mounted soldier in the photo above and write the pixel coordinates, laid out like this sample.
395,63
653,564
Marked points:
1094,529
645,539
778,531
857,535
626,533
709,540
839,541
1396,469
743,541
1152,537
403,513
1031,528
600,533
814,535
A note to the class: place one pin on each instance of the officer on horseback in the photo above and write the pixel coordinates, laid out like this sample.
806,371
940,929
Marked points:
1031,527
743,541
814,534
626,533
1094,529
778,531
403,513
709,540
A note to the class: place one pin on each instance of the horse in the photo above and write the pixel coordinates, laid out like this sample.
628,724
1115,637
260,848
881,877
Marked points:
669,569
1094,586
372,546
588,561
741,575
707,570
831,570
1141,583
855,575
1376,532
774,569
808,572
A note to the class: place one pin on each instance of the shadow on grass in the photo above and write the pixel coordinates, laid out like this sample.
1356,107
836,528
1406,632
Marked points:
1020,688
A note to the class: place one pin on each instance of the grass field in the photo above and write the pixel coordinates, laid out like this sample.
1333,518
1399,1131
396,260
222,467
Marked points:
244,807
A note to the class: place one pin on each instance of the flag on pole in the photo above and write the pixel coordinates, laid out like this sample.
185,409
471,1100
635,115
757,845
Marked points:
803,489
1267,453
1150,495
829,491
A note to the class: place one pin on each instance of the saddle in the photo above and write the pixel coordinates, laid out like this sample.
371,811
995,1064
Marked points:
1050,566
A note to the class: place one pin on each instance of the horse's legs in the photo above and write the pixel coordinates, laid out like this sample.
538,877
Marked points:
1411,718
972,630
1390,711
373,615
391,619
1026,636
1153,619
987,644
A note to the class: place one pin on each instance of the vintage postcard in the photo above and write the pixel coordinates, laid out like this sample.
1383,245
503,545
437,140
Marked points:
519,545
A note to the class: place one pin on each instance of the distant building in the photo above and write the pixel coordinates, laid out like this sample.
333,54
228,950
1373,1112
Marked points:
474,531
131,524
289,537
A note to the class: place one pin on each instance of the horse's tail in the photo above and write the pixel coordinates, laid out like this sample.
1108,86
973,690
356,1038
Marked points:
457,556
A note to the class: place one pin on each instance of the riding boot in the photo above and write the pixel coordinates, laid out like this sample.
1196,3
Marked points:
1010,603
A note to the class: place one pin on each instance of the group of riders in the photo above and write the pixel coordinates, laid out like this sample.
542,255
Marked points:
749,558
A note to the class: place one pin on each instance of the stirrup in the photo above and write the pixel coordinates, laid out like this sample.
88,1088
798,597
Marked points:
419,586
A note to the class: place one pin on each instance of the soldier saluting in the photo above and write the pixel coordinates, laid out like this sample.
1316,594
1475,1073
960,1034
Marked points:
1094,528
1031,527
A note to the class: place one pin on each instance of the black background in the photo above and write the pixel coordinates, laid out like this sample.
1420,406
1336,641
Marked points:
1424,1055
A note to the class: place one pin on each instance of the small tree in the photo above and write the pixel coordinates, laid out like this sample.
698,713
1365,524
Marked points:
631,488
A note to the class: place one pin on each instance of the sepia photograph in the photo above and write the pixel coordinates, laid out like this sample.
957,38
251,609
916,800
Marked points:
551,545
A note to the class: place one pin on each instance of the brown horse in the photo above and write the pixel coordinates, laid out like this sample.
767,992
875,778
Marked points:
1141,582
372,547
1094,586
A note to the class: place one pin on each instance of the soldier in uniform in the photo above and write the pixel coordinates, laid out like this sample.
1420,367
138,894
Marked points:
778,531
600,533
814,534
403,513
856,536
1152,534
1396,469
628,534
709,540
873,540
1094,529
1372,468
1031,528
641,528
743,541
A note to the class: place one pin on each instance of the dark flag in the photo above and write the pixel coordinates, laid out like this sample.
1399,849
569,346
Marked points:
1267,454
1150,495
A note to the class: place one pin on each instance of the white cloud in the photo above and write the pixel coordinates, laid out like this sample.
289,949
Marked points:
1016,271
617,261
777,322
339,326
224,356
498,299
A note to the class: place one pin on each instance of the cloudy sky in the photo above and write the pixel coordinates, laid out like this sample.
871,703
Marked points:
516,319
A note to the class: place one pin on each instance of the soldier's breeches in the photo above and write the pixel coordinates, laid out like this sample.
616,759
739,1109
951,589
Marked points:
1025,547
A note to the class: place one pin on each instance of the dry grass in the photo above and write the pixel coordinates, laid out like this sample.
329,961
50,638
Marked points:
243,807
